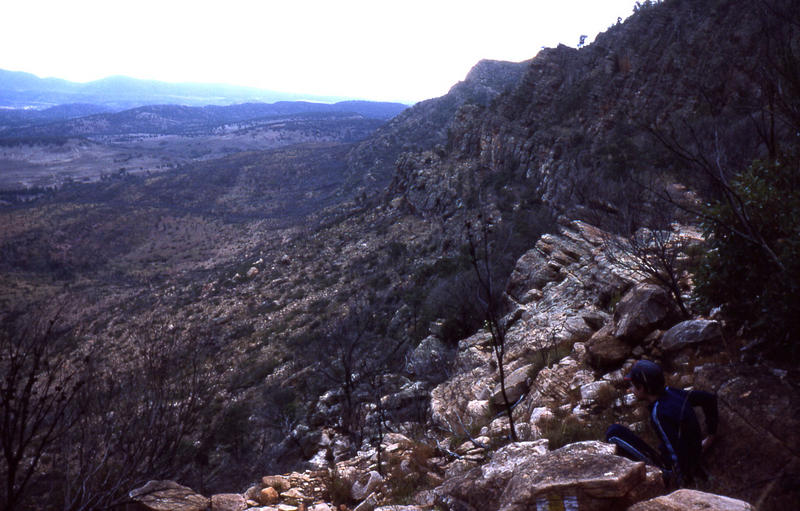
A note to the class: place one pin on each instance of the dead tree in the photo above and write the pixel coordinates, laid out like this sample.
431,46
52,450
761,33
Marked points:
481,244
41,376
657,254
352,354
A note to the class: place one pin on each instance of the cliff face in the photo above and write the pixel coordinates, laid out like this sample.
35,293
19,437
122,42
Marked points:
426,125
582,125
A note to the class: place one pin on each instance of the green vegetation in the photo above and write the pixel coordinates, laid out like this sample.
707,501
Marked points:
753,262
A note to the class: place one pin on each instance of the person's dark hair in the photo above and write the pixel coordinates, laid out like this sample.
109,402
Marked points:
648,375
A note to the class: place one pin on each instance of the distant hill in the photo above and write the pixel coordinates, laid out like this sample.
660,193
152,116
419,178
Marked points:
25,90
89,120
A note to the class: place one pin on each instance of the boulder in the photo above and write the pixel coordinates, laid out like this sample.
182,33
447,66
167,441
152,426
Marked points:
268,496
228,502
169,496
586,475
407,402
577,330
474,352
644,308
363,487
756,455
692,500
530,272
517,383
605,351
430,360
280,483
691,332
368,504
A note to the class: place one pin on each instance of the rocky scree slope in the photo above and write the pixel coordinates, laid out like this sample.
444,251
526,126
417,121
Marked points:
569,346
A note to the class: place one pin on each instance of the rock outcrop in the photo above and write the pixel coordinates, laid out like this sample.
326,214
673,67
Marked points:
565,359
692,500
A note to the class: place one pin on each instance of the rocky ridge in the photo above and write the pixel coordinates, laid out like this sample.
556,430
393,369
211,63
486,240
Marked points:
576,128
577,322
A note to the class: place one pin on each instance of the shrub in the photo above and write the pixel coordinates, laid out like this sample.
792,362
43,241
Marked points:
752,266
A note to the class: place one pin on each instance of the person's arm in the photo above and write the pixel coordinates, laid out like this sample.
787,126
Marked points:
708,402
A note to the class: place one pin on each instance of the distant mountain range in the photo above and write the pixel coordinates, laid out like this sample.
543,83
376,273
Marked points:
24,90
91,120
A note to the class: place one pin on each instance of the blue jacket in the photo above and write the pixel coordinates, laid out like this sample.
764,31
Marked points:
677,426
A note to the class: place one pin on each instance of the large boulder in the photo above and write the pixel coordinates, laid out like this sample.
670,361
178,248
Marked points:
169,496
517,383
691,332
532,271
430,361
644,308
605,351
756,456
692,500
587,475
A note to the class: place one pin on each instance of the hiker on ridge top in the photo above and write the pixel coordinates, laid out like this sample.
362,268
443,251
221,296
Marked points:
674,421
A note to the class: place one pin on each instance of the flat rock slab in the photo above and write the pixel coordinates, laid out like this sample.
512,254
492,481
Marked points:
692,500
586,473
169,496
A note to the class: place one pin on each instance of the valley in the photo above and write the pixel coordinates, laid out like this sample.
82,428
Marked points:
295,301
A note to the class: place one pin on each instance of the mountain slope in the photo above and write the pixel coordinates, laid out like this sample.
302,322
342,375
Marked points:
580,125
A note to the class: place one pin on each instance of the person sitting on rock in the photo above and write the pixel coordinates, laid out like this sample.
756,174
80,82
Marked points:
674,421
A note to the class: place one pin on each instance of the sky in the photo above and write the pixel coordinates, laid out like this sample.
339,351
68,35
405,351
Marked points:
382,50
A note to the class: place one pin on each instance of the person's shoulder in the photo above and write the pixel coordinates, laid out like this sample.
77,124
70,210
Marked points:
671,401
671,393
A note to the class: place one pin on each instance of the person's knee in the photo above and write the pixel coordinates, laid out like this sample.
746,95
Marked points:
615,430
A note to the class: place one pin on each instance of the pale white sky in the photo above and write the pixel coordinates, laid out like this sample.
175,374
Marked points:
383,50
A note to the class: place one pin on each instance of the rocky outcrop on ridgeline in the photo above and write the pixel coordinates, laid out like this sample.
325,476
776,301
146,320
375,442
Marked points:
426,124
575,130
